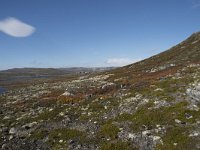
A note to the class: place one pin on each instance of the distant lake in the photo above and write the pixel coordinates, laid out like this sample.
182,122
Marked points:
2,90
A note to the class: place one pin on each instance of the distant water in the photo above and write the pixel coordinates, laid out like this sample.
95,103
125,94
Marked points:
2,90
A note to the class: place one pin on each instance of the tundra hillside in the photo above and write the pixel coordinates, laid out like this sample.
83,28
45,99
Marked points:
152,104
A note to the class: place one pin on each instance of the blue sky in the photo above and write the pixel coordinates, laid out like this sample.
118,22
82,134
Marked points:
88,33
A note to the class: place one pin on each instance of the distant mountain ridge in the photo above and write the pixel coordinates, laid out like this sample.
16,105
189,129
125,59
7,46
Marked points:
52,71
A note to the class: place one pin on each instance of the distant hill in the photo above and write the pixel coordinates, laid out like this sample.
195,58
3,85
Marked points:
25,76
51,71
183,54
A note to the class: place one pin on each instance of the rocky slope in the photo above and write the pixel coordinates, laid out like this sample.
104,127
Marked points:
152,104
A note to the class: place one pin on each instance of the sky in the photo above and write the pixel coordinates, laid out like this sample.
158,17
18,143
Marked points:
91,33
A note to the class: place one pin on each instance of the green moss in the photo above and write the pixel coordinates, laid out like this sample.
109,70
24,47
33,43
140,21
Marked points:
7,122
96,106
178,135
152,117
116,146
39,134
84,117
50,115
124,117
114,102
60,146
195,116
97,109
45,116
170,86
65,134
109,130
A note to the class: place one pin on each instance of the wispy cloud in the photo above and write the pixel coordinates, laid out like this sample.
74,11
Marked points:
36,63
120,61
195,3
16,28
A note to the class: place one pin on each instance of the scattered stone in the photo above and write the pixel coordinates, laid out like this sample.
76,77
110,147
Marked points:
175,144
178,121
61,114
156,138
60,141
158,89
29,125
51,109
131,136
188,116
194,134
11,137
12,131
67,94
146,133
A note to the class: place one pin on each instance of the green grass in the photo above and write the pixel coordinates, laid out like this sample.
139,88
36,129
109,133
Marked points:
177,135
65,134
119,145
39,134
109,130
161,116
195,116
50,115
96,106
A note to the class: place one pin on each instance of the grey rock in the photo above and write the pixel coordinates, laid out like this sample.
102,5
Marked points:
12,131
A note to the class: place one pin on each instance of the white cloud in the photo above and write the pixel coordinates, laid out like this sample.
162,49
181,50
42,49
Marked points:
16,28
120,61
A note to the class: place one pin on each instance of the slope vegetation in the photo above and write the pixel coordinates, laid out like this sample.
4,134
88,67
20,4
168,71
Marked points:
152,104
